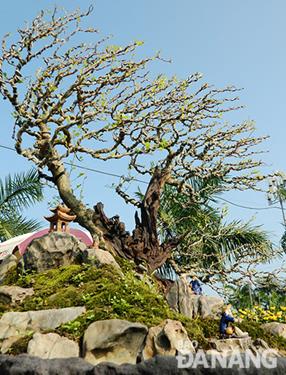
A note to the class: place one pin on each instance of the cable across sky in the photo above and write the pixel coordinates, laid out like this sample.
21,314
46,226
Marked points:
146,183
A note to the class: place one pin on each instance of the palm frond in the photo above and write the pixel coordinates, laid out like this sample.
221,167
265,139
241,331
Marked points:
207,188
237,236
206,239
20,191
11,227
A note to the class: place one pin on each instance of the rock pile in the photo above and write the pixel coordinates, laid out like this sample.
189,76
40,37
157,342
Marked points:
181,299
112,340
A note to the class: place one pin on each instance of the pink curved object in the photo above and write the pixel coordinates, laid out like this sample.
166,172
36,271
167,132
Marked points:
84,237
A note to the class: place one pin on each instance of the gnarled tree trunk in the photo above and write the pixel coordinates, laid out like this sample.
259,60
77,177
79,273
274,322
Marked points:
143,244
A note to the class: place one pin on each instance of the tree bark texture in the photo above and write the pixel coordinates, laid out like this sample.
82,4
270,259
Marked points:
143,244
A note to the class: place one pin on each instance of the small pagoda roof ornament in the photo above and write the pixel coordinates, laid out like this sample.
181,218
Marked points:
59,221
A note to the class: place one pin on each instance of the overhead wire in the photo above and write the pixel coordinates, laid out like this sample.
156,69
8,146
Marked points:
144,182
248,207
87,168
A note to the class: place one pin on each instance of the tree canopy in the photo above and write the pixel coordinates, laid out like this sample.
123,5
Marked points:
87,97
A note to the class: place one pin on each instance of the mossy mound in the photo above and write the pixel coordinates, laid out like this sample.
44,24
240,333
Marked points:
109,294
104,291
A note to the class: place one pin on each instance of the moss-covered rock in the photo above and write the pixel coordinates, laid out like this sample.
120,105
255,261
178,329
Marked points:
107,294
20,346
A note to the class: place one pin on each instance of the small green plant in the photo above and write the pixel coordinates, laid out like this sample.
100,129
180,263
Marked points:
72,327
87,297
77,279
119,305
26,279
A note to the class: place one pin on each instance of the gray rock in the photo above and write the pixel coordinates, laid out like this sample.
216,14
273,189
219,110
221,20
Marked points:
14,294
8,262
100,257
19,323
52,250
231,345
52,345
160,365
114,340
259,343
259,346
239,333
181,299
27,365
275,328
168,338
7,343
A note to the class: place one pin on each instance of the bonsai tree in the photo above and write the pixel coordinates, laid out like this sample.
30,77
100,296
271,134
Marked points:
74,95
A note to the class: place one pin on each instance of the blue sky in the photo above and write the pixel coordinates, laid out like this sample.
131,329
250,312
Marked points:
230,42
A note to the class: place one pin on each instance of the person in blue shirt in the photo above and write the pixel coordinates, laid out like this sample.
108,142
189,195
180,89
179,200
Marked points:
196,286
226,318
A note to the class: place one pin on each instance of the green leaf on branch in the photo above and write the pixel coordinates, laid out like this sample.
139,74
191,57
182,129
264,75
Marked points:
163,144
147,146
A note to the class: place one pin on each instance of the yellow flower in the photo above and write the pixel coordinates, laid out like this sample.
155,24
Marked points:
242,311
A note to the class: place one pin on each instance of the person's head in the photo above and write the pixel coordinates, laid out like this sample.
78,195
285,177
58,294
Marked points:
226,309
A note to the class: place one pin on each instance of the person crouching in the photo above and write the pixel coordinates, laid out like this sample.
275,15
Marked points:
226,330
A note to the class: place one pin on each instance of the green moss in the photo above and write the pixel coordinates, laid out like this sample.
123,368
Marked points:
21,345
67,298
200,330
11,277
107,294
125,264
50,281
112,296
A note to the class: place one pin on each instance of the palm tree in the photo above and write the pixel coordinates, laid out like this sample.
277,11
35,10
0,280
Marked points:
277,194
207,241
17,193
243,297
